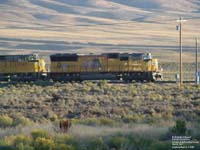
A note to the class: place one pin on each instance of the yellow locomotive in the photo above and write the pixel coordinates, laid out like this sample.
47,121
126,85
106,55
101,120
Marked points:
112,66
21,67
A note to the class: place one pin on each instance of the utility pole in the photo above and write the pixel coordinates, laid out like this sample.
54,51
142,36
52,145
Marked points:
196,73
180,47
180,44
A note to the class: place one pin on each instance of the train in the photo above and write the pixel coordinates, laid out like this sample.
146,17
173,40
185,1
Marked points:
80,67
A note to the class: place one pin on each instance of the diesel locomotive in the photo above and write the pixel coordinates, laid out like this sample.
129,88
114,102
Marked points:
21,67
77,67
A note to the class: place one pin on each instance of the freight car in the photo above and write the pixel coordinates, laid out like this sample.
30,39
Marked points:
110,66
21,67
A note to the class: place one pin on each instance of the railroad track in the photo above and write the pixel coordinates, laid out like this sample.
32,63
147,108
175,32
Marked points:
156,82
2,84
174,82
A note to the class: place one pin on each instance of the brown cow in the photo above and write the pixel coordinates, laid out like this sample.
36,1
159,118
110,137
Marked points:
65,125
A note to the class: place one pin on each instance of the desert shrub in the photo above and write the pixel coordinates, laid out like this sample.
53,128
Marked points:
19,142
73,120
132,87
103,83
107,122
97,144
5,146
87,86
21,120
95,121
69,142
160,145
152,120
96,110
119,111
88,121
117,142
180,127
168,115
2,142
39,134
42,143
131,118
63,147
51,116
22,139
156,97
22,146
9,140
143,143
5,121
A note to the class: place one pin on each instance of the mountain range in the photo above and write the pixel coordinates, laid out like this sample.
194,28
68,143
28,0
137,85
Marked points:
90,26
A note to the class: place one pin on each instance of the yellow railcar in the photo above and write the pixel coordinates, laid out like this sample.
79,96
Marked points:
124,66
21,67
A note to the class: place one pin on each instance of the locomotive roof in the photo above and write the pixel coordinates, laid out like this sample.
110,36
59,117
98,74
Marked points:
63,54
68,54
18,57
64,57
109,55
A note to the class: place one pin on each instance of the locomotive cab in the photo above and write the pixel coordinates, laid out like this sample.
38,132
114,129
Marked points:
39,63
152,67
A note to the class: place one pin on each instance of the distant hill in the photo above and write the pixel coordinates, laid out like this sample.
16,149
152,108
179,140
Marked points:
87,26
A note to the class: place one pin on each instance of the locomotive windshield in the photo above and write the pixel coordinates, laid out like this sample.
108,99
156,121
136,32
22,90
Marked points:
137,55
147,57
142,56
33,57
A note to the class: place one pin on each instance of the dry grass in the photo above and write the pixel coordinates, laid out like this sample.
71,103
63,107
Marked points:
86,131
135,102
83,131
26,130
